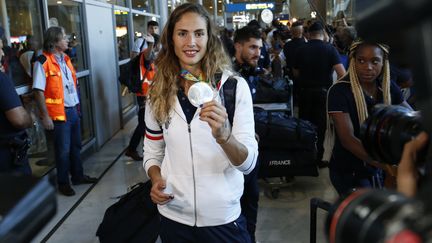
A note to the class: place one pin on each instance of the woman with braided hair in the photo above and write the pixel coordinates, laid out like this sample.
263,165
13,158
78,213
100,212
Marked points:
349,101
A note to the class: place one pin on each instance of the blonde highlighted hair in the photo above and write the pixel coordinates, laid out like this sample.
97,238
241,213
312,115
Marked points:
166,82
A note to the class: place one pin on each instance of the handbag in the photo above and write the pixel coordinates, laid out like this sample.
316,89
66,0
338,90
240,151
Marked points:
134,218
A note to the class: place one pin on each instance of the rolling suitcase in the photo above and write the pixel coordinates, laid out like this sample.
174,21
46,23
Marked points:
287,145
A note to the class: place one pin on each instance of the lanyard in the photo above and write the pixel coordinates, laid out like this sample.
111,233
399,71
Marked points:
64,68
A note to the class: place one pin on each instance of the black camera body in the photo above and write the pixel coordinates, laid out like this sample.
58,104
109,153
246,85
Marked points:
367,216
387,129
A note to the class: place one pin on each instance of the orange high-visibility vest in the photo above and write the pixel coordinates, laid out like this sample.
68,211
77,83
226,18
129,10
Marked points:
54,96
147,76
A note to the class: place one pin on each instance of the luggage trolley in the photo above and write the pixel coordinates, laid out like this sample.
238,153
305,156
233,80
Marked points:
287,145
273,187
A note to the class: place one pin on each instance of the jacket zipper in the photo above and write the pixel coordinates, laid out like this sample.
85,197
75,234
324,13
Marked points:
193,167
193,172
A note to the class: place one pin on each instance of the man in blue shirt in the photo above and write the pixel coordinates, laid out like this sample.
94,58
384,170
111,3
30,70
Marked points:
14,119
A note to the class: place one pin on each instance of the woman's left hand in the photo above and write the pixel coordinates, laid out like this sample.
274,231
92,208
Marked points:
216,116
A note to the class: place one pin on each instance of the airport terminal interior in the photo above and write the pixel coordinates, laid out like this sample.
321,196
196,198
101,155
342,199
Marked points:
102,35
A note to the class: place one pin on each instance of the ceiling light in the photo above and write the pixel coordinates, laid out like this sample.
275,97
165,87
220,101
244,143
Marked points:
59,2
139,6
211,7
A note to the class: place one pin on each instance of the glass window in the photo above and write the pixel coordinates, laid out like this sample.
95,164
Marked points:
127,99
147,6
87,131
122,34
22,27
115,2
68,14
140,24
118,2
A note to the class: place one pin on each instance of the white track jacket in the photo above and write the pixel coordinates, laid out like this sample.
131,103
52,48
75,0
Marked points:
206,186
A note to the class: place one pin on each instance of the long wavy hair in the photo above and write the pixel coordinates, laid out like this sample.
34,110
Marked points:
166,82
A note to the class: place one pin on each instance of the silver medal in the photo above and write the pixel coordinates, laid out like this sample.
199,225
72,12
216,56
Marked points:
200,93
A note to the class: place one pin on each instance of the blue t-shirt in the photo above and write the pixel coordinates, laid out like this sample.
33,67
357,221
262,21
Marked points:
341,99
315,61
9,99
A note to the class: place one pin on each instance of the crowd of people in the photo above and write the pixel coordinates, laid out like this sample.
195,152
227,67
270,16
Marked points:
204,168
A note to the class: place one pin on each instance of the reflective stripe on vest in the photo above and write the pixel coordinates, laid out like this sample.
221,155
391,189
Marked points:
59,118
53,101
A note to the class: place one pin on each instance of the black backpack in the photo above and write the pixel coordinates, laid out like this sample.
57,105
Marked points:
134,218
130,73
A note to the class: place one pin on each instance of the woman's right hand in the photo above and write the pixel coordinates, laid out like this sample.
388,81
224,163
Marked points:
157,195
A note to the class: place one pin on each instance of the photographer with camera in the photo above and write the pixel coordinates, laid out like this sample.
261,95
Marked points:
387,215
349,102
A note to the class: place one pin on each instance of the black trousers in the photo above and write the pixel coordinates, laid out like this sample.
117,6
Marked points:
174,232
140,128
312,107
249,201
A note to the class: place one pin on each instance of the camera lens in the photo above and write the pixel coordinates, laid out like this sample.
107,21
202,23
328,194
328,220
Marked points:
386,130
362,216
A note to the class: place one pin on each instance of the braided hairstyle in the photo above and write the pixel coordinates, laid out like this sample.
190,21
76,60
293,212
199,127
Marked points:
356,88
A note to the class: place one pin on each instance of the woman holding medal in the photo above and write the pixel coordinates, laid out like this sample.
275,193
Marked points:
192,155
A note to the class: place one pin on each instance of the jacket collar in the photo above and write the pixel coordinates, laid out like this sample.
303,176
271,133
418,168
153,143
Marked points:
177,106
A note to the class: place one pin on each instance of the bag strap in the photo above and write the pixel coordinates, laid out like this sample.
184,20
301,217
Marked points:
142,44
229,96
142,64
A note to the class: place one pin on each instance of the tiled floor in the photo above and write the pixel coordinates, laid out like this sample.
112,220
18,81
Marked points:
285,219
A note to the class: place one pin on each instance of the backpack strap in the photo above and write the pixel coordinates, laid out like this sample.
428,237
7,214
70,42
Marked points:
142,44
229,97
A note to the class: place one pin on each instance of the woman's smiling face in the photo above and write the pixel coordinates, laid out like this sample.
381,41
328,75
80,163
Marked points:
190,39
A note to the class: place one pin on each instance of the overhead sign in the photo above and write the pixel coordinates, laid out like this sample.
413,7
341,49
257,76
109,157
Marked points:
240,19
238,7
